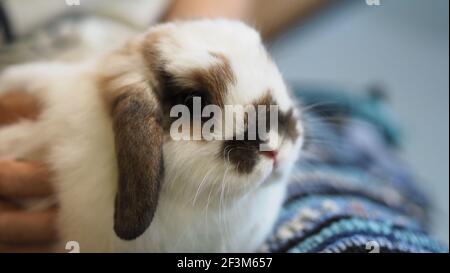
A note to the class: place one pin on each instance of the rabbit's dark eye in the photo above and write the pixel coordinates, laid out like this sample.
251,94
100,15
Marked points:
195,101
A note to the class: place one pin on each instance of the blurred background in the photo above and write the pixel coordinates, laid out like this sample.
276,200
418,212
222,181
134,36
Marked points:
400,46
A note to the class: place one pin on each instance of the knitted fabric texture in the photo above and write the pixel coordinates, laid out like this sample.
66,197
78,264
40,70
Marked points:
349,192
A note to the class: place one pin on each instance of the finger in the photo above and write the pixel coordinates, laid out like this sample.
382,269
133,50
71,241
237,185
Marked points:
18,105
19,179
19,227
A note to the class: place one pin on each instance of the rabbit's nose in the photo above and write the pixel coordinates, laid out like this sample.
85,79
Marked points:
270,154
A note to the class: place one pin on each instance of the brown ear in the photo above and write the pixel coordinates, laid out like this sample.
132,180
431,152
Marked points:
138,140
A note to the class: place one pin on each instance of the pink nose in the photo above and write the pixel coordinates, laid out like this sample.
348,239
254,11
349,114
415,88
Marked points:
270,154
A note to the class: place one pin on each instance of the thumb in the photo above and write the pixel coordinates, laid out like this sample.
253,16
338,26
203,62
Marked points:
24,179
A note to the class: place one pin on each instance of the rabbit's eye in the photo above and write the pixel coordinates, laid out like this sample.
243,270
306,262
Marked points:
195,102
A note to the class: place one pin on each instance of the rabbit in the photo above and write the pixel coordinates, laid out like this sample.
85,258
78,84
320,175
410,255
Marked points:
122,183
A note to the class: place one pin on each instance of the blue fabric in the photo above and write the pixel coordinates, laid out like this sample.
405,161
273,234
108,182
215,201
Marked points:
350,192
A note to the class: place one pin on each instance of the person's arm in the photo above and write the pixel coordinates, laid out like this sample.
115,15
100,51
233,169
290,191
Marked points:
268,16
191,9
273,16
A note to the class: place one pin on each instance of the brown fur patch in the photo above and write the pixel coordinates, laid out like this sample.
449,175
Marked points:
112,83
216,79
212,81
153,59
18,105
287,123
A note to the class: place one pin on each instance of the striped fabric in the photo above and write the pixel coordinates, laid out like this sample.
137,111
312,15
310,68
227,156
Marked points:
350,193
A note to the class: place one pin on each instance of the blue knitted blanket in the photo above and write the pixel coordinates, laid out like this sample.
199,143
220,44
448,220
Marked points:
350,193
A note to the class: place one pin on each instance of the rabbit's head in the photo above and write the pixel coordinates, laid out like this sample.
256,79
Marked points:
200,113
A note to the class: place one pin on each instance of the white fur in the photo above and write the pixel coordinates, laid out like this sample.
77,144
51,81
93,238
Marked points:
204,204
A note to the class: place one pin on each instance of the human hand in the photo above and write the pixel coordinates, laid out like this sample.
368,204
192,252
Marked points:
22,230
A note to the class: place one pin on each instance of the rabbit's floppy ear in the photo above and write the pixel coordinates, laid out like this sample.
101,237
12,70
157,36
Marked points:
138,136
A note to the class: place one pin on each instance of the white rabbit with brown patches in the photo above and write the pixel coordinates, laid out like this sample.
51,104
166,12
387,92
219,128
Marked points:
123,184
